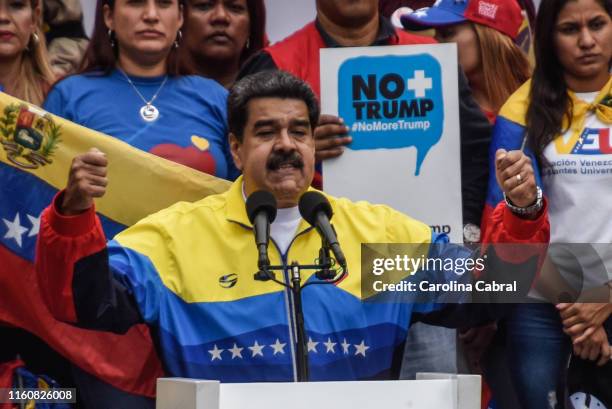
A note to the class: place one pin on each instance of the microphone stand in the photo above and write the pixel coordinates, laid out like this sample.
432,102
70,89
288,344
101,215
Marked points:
325,275
298,316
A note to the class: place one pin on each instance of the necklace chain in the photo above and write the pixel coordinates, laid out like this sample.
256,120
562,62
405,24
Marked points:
150,102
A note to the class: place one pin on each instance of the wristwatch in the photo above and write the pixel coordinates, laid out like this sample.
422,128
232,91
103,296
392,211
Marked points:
529,210
471,233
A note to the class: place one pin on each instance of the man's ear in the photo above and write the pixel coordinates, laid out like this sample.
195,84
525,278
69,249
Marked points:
235,148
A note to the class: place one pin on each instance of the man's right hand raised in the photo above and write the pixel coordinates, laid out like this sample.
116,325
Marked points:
86,181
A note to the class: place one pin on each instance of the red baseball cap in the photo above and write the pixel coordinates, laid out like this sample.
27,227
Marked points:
504,16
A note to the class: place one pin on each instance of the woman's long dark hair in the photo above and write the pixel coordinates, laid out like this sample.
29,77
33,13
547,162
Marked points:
101,56
257,34
550,102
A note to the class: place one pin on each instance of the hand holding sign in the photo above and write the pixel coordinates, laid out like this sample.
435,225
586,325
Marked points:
331,134
515,177
87,180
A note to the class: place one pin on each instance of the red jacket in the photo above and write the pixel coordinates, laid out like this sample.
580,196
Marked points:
299,53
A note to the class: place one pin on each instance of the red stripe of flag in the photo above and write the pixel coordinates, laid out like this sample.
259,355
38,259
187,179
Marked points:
128,362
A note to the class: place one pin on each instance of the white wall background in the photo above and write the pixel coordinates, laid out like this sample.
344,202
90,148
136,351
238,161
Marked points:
283,16
89,8
286,16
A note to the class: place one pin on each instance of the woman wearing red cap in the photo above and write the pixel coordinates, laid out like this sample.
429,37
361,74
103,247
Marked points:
563,117
484,31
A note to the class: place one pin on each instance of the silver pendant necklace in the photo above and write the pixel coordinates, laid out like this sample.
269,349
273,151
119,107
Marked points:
148,111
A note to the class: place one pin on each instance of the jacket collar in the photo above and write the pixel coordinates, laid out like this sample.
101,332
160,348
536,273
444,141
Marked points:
236,207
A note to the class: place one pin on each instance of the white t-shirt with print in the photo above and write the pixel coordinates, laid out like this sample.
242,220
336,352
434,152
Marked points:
578,185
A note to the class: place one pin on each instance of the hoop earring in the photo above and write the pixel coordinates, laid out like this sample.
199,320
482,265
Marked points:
32,42
179,38
111,39
248,44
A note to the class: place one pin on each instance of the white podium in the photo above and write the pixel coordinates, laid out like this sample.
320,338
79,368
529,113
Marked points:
430,391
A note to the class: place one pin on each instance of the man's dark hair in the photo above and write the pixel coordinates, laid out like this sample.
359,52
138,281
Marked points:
267,84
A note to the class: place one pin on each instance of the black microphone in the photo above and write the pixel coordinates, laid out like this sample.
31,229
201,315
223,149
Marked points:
316,210
261,209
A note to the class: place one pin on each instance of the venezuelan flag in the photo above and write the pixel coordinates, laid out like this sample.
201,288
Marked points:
36,150
509,133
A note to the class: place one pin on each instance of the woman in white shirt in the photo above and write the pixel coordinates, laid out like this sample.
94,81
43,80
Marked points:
563,117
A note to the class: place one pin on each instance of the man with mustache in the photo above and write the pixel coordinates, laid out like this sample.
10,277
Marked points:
172,269
277,160
358,23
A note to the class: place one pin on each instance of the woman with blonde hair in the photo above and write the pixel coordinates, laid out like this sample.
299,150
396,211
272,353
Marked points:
504,67
25,72
494,65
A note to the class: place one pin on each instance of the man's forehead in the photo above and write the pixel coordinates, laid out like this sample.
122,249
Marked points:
276,109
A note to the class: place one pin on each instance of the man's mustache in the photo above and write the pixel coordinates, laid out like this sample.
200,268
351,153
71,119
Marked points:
278,159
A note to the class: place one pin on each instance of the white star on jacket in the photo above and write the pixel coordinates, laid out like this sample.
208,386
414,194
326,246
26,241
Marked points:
361,348
278,347
256,349
15,230
345,346
215,353
329,346
236,352
312,346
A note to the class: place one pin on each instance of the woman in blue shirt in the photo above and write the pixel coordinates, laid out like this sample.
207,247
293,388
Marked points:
130,87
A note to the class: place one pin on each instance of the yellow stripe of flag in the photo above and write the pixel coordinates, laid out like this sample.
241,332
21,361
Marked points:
140,183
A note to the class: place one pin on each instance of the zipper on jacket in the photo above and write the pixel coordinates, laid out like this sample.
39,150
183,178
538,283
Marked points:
289,304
